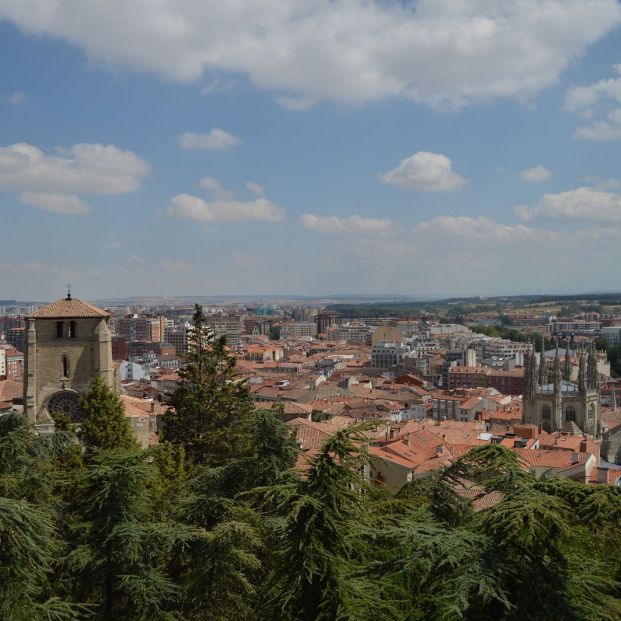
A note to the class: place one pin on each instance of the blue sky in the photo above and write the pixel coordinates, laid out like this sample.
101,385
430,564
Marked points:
423,148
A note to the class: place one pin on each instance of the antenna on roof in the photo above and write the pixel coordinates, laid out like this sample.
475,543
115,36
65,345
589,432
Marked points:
68,291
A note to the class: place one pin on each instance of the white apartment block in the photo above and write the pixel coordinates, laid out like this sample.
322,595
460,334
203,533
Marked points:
387,355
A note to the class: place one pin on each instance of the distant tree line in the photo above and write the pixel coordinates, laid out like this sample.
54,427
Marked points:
216,524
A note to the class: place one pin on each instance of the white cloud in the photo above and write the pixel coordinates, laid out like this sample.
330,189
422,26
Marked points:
290,102
15,99
353,224
80,169
215,140
610,129
536,174
437,51
255,187
585,203
217,86
190,207
58,203
430,172
478,228
174,265
216,188
600,99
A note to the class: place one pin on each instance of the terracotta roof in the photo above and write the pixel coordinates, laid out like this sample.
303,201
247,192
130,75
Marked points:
10,389
69,308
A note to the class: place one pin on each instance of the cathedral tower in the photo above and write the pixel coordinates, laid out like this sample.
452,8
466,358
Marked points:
556,403
68,345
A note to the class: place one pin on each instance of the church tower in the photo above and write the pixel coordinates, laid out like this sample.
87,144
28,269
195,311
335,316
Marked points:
557,404
68,344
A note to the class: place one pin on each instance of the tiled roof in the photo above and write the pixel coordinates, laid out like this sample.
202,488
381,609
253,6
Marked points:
9,390
69,308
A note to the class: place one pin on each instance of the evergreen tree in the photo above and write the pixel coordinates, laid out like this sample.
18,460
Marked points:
208,409
117,553
320,549
105,425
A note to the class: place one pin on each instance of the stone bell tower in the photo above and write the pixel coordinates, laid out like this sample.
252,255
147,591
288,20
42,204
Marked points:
68,344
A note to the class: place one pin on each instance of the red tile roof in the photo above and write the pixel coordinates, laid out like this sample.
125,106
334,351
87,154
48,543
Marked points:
68,309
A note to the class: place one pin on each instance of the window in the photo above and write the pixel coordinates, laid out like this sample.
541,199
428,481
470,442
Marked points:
60,329
570,414
72,331
591,411
545,412
65,363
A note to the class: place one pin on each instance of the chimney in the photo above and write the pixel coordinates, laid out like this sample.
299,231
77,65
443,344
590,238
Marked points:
583,445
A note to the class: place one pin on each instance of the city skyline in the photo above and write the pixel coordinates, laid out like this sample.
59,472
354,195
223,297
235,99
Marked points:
311,149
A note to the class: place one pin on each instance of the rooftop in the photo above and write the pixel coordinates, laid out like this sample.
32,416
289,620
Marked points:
70,308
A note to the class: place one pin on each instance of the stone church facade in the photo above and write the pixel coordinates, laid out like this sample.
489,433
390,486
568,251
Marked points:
68,344
557,404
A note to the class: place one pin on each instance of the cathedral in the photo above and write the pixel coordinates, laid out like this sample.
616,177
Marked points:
68,343
556,403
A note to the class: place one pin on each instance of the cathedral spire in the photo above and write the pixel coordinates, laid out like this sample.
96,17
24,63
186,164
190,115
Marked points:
542,365
567,365
558,377
592,379
581,372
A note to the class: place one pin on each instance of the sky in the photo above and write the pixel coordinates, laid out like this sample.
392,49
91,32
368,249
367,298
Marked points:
312,147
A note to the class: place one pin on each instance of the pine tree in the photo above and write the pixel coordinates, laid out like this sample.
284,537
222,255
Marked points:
319,548
208,409
104,425
117,553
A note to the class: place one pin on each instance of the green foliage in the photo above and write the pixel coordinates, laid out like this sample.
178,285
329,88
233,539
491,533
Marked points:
105,425
117,553
210,405
240,533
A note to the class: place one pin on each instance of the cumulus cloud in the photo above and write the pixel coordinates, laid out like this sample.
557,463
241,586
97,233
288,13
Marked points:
585,203
437,51
80,169
430,172
478,227
353,224
536,174
255,187
190,207
216,188
601,103
215,140
69,204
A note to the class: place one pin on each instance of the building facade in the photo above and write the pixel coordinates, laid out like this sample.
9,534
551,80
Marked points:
555,403
68,344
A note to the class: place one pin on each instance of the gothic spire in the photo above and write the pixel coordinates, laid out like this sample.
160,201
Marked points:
592,379
581,372
567,365
558,377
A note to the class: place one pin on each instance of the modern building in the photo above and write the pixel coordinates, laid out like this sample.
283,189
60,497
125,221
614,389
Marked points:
387,355
612,335
298,329
141,328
